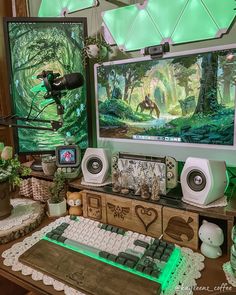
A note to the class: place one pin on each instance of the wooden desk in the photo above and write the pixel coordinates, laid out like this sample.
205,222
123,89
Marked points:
212,276
25,281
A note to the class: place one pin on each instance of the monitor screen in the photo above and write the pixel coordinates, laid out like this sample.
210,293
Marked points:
35,45
68,156
186,98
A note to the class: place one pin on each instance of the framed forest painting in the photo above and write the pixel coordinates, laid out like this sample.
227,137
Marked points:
34,46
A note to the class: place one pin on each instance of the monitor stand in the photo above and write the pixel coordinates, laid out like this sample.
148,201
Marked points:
175,193
173,198
37,165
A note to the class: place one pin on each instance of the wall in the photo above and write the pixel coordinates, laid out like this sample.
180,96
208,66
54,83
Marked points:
179,152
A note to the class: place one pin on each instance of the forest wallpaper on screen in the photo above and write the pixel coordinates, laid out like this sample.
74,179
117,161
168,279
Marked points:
187,99
47,46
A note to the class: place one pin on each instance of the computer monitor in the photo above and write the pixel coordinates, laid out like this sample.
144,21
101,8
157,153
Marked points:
68,156
35,45
183,102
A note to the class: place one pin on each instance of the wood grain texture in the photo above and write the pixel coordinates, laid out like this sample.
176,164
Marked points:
139,216
94,206
6,10
5,133
9,288
84,273
181,227
21,7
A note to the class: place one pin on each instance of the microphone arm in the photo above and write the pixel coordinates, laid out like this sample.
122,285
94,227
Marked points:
11,121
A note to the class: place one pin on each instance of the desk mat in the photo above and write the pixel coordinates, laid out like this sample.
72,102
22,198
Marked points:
183,278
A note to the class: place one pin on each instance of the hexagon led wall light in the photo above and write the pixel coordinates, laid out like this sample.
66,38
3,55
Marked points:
177,21
61,7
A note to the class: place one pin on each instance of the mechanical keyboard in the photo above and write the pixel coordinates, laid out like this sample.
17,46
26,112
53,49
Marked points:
144,256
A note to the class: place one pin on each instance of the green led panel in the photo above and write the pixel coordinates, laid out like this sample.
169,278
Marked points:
196,28
50,8
165,17
178,21
138,36
58,7
74,5
119,21
223,12
163,278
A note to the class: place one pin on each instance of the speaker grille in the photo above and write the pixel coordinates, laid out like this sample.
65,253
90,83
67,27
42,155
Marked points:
196,180
94,165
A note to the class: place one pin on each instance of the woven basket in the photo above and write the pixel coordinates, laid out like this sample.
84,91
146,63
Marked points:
40,189
26,188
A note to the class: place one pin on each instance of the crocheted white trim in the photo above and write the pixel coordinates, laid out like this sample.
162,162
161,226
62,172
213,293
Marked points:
222,202
229,274
184,276
23,209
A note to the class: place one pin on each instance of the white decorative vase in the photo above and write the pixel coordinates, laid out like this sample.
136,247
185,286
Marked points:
56,210
95,51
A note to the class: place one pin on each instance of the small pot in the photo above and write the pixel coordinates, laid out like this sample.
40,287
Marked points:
96,51
5,205
58,209
49,168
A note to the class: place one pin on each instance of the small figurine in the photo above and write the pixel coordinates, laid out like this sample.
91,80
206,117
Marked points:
155,188
137,191
124,183
116,186
212,237
144,189
74,200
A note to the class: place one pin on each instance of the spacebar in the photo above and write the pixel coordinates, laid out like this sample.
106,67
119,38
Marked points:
81,246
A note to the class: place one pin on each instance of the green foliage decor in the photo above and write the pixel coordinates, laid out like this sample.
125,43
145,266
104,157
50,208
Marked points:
117,108
11,170
58,188
104,48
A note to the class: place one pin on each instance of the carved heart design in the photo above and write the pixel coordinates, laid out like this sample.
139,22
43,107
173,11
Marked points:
146,215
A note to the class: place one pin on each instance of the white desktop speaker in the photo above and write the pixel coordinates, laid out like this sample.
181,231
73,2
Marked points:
203,181
95,165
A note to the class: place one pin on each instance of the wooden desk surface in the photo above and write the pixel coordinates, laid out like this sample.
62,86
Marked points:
25,281
212,276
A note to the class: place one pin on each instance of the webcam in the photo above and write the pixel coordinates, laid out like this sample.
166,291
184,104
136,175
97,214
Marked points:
157,50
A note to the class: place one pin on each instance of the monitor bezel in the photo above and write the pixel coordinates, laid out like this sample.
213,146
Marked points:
77,156
156,142
81,20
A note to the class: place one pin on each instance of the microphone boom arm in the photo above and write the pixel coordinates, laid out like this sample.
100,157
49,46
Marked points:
11,121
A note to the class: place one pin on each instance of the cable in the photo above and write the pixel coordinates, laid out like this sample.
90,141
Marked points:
31,106
42,110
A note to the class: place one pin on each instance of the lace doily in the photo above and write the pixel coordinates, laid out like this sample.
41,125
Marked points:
184,276
108,181
229,274
221,202
23,210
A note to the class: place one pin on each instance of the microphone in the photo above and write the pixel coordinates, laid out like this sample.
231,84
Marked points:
67,82
54,83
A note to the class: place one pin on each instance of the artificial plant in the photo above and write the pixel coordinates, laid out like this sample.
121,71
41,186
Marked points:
57,190
11,169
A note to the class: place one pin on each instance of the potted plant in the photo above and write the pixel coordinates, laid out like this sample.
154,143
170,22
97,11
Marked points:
11,172
96,48
57,201
49,165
